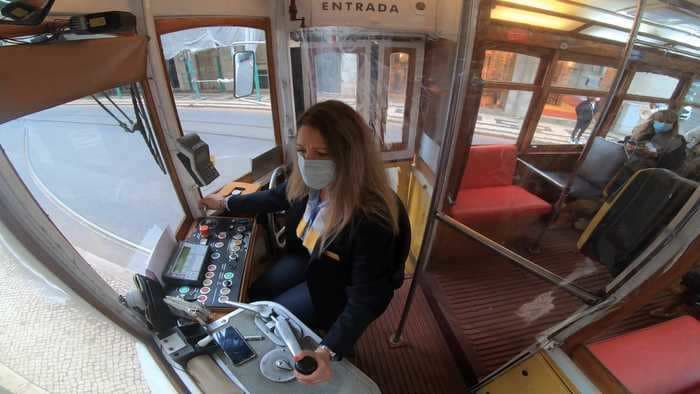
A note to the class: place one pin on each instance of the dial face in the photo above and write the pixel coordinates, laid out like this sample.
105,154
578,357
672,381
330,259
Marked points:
278,365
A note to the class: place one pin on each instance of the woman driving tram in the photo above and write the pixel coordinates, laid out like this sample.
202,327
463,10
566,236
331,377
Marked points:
347,232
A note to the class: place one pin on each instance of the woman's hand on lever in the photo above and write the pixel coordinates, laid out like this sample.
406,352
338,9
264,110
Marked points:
213,201
323,371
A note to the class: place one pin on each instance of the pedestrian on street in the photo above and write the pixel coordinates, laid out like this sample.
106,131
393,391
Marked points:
584,116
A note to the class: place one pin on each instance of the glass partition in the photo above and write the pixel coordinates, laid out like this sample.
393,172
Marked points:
337,76
513,190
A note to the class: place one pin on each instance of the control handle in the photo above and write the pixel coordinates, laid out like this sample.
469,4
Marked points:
305,366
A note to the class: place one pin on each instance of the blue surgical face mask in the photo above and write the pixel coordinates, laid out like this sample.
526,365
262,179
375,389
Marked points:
316,174
661,127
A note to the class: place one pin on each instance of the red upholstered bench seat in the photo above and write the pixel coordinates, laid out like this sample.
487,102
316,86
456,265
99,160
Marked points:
664,358
487,198
498,203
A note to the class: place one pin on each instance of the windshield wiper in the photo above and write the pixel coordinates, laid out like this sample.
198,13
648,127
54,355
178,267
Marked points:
141,123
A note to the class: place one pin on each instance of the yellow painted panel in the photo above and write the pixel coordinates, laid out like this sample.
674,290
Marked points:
419,203
532,376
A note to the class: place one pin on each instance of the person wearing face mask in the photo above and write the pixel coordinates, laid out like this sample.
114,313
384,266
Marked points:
654,143
657,143
345,229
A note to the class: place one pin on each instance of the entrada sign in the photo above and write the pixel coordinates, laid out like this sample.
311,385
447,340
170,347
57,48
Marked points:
358,6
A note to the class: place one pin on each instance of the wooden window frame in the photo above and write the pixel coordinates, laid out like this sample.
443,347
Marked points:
685,80
166,25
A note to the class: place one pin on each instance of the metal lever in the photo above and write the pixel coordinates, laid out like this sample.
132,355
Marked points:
306,365
265,312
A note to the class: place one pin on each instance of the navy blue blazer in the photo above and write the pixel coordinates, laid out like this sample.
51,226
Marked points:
349,293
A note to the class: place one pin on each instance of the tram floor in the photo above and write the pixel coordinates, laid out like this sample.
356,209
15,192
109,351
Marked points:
422,364
492,310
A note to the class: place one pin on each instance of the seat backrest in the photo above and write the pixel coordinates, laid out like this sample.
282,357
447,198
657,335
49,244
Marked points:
489,165
628,223
403,245
604,160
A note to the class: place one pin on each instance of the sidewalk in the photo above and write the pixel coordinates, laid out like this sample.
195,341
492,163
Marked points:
210,100
549,131
54,343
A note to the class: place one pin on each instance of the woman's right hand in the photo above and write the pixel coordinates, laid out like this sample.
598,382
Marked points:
214,202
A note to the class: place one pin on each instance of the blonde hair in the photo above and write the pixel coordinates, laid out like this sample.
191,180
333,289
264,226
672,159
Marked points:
361,184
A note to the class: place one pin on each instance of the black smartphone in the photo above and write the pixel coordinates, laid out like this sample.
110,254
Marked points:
234,346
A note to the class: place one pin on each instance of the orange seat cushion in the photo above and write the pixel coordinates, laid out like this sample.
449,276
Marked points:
664,358
497,204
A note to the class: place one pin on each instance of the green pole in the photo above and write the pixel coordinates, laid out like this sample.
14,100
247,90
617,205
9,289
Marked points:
256,78
119,91
189,68
222,88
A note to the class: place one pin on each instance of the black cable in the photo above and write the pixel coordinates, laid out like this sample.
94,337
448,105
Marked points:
141,108
121,124
118,107
142,129
149,129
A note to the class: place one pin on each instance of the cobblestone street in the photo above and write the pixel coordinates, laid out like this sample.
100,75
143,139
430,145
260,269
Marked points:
53,343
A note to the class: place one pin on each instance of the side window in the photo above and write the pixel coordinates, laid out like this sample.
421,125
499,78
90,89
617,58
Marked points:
567,119
501,116
647,93
201,72
99,182
688,116
508,88
652,85
575,75
337,76
632,113
572,107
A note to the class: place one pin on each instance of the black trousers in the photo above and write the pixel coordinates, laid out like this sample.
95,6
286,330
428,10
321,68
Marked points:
581,126
285,284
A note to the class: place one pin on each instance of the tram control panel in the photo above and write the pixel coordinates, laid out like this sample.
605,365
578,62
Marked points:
208,267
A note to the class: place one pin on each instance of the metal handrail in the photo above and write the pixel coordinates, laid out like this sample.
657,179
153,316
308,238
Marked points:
521,261
540,173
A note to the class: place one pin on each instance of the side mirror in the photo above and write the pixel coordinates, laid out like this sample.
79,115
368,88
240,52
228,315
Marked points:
243,73
24,12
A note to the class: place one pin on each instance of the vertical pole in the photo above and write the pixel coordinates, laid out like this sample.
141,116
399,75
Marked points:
189,68
460,84
611,93
219,70
118,90
256,80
